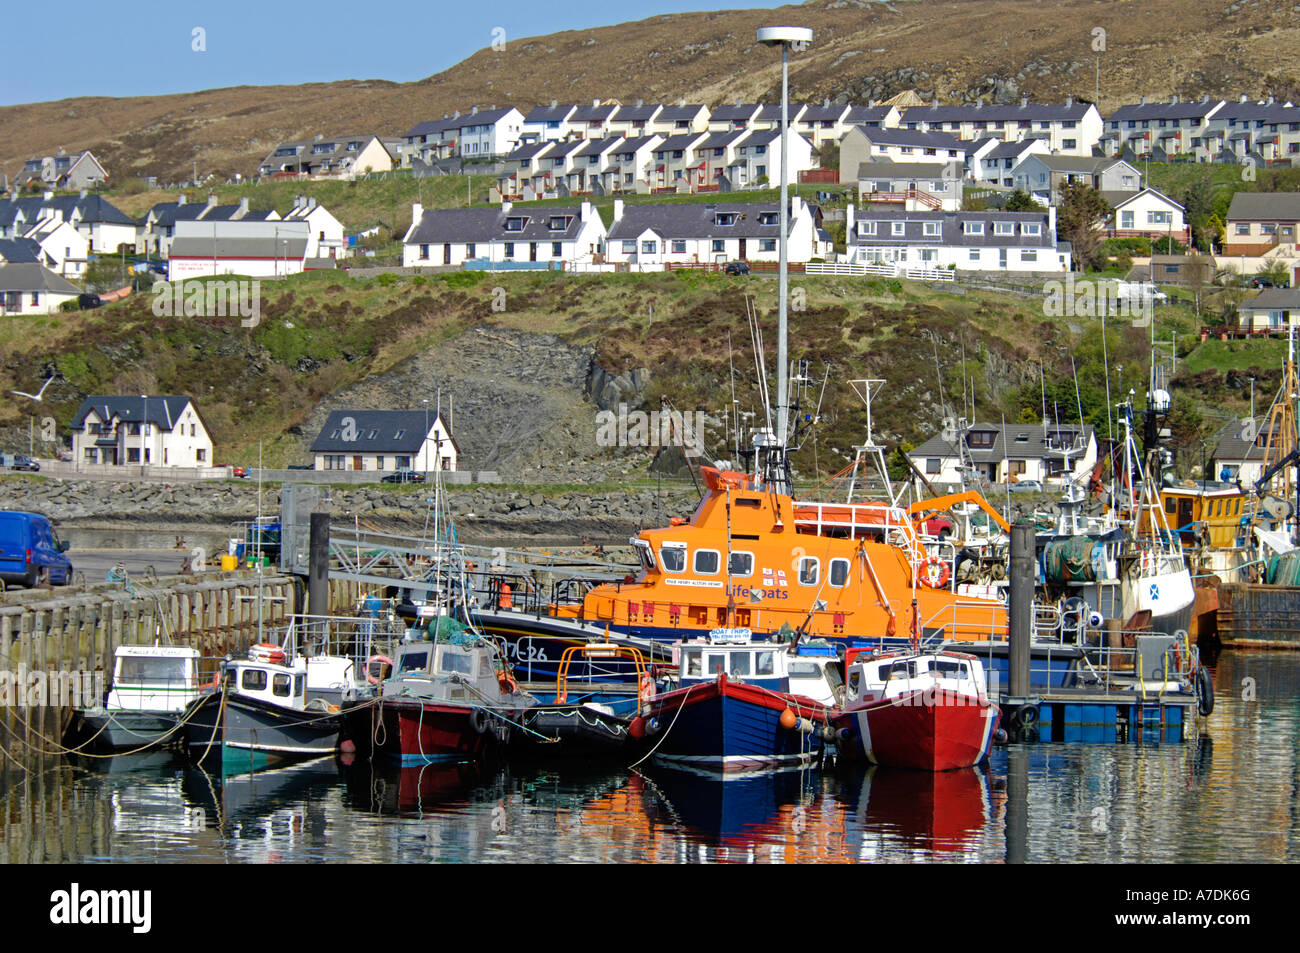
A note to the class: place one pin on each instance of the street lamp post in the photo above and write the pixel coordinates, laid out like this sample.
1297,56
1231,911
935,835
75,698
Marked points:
144,426
799,38
424,444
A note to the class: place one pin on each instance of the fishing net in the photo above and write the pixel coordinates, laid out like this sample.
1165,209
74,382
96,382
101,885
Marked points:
1070,560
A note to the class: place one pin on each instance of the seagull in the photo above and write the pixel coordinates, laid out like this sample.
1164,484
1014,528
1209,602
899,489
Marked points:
37,396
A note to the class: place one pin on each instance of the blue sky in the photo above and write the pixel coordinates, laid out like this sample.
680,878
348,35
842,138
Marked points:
98,49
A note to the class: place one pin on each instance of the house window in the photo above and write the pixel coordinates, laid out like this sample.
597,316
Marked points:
629,248
1158,217
679,247
424,252
974,254
1028,255
556,250
469,250
932,465
1031,228
1004,228
767,244
649,247
509,251
866,228
897,228
1068,143
931,228
1126,219
719,245
200,455
1243,229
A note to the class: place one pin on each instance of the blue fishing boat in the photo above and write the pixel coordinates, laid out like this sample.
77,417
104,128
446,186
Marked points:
734,709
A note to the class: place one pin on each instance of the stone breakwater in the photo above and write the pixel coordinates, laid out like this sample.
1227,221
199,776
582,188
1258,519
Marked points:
482,512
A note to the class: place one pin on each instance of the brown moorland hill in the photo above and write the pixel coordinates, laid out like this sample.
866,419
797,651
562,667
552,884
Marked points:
956,50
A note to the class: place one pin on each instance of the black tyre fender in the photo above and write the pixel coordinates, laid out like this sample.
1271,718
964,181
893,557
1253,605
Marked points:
1204,691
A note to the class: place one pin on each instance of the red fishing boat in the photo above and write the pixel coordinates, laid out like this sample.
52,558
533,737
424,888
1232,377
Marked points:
925,710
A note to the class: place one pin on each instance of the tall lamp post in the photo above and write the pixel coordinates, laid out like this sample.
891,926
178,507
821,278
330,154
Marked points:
424,444
144,425
786,37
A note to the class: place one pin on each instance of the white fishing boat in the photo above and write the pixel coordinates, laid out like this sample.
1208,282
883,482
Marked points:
152,685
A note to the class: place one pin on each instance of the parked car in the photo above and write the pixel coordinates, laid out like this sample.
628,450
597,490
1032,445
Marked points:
736,268
20,461
239,471
1026,486
31,554
939,527
404,476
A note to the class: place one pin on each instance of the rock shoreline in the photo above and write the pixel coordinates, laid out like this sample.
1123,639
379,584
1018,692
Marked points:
482,512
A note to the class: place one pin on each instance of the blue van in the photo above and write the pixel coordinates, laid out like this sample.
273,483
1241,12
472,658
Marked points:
30,552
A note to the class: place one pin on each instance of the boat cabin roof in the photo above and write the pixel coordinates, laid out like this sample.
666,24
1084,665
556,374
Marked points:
282,685
156,651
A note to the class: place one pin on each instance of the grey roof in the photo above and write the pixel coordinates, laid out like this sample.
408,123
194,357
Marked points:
976,112
292,248
720,140
529,150
593,113
430,127
1007,150
1273,299
227,213
823,111
597,147
1232,447
163,409
900,170
639,113
1268,206
913,137
1259,112
951,229
1193,109
377,431
676,113
695,220
636,143
1118,197
557,113
93,208
685,140
19,251
866,115
483,117
31,276
1015,442
734,111
489,224
1064,163
166,214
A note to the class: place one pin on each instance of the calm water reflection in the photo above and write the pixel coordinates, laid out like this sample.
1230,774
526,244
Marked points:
1230,795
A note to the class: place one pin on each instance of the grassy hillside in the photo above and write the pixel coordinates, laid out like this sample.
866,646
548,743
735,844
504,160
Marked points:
323,332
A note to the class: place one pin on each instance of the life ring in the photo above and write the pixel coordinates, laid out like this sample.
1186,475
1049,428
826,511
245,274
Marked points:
935,573
267,652
1204,691
478,720
645,688
507,682
371,677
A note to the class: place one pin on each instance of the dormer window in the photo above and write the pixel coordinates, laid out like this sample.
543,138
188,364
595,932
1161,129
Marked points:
897,228
558,223
769,218
931,228
974,228
724,218
515,223
1004,228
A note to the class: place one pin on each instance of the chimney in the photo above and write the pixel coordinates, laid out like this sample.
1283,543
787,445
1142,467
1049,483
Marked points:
84,193
473,110
1269,101
417,213
243,207
319,137
1173,101
182,199
554,103
595,103
618,209
585,214
506,207
1069,101
848,222
311,202
1024,102
638,103
1142,100
47,195
1242,99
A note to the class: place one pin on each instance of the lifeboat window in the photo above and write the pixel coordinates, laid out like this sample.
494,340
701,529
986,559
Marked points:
692,662
809,567
766,664
946,669
706,562
1171,505
839,572
300,685
152,671
280,685
254,680
455,662
740,663
748,501
647,555
715,662
414,662
673,558
741,564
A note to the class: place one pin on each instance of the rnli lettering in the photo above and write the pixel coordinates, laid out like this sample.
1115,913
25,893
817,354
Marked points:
704,583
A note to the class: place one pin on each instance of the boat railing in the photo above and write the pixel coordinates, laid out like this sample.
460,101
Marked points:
375,630
978,620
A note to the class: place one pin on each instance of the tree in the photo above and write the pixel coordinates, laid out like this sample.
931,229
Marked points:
1022,201
1080,217
1198,209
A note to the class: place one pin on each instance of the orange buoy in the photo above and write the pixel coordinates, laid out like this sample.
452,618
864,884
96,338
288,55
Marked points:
789,719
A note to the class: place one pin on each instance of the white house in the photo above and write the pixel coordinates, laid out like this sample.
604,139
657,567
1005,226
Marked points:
675,164
680,119
652,235
384,441
59,246
1178,127
910,186
1266,129
325,237
78,170
28,288
966,241
102,224
861,144
1008,453
1042,176
543,236
1147,214
1070,128
330,155
995,161
636,121
112,431
553,123
758,159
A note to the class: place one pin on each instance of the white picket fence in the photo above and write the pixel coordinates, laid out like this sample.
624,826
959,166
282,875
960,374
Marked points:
927,274
884,269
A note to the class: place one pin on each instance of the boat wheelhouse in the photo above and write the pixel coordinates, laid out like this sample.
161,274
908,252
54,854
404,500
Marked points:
152,685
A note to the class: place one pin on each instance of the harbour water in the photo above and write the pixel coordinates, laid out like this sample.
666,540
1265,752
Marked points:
1230,793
